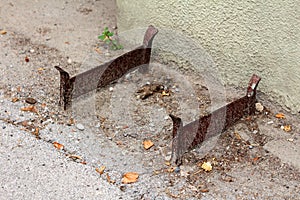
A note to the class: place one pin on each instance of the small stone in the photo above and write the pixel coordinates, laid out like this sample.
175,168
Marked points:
259,107
30,100
69,60
31,50
177,169
80,127
168,157
111,89
270,122
255,131
127,76
250,147
166,117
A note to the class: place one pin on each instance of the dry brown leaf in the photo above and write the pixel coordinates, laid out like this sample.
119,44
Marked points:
71,121
171,169
206,166
98,50
280,116
14,100
255,159
30,109
43,105
109,179
58,145
238,136
36,132
73,156
130,177
100,170
147,144
3,32
204,190
83,162
19,89
287,128
164,93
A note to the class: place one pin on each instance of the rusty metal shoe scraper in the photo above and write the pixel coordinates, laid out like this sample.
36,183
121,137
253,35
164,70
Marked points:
102,75
193,134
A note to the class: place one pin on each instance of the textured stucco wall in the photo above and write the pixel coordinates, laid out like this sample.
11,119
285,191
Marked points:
241,36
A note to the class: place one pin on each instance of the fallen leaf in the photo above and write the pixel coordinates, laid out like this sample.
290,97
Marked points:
19,89
73,156
83,162
164,93
130,177
206,166
109,179
41,69
43,105
58,145
204,190
30,109
167,163
255,159
287,128
237,136
67,42
119,143
71,121
171,169
100,170
280,116
98,50
14,100
3,32
147,144
36,132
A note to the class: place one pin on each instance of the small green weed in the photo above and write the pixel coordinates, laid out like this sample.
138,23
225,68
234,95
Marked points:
107,38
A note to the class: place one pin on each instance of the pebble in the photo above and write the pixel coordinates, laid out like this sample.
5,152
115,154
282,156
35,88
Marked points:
80,127
255,131
166,117
30,100
270,122
69,61
259,107
127,76
31,50
111,89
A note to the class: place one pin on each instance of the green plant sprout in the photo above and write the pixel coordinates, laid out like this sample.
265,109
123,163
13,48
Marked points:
107,38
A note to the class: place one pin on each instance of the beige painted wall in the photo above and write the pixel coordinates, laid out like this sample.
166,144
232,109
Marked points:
241,36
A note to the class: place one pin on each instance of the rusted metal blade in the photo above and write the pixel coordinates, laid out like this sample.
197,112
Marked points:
100,76
194,133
